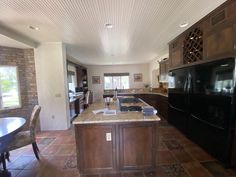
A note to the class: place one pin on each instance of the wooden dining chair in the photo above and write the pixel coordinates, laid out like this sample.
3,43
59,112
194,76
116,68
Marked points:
24,138
87,95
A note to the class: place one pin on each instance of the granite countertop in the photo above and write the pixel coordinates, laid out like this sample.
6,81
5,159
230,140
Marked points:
74,98
88,117
134,93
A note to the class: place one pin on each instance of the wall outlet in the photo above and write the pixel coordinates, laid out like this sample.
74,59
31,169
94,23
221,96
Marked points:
108,136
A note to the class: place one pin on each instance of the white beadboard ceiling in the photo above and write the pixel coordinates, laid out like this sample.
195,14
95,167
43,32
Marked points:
141,28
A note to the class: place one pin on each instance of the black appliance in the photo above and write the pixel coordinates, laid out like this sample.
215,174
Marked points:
202,105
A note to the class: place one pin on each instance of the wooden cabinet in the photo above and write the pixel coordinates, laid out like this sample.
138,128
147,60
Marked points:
211,38
132,146
82,80
220,38
220,43
95,153
176,52
137,146
159,102
164,66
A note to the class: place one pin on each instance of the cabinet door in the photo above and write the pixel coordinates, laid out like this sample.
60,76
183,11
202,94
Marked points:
96,152
164,66
220,32
176,53
220,42
137,146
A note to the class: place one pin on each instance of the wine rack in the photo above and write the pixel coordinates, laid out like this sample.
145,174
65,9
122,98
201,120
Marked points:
193,46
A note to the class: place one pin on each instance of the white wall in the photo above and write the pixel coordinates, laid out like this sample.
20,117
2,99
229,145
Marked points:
99,70
154,71
51,76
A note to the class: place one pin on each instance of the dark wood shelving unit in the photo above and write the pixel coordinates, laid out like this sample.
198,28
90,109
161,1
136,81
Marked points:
82,78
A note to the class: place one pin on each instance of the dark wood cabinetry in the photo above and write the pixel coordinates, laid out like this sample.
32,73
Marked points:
82,80
220,33
164,66
95,153
176,52
211,38
220,43
159,102
140,136
131,146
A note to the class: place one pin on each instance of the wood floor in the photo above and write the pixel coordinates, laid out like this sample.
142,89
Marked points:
176,157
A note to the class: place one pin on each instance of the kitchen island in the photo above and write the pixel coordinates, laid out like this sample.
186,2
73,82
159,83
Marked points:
158,100
116,143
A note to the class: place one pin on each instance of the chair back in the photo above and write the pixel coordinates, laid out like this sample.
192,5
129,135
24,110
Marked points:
33,120
87,95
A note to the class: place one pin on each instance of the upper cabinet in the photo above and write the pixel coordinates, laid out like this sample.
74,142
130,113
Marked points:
213,37
220,33
82,80
164,66
176,52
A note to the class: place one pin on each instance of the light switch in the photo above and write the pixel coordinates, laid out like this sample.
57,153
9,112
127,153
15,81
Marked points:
58,95
108,136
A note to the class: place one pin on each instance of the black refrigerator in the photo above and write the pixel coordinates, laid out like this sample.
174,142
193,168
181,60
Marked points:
201,104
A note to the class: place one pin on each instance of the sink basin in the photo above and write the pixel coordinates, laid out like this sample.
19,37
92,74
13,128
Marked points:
130,104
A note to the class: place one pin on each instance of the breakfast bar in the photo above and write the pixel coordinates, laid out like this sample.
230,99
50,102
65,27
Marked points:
115,143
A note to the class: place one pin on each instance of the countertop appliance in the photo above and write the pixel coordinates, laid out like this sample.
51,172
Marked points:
202,105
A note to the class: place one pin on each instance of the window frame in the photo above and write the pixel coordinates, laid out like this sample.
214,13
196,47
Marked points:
18,89
115,75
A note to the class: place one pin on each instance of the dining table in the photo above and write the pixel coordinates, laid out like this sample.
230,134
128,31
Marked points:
9,127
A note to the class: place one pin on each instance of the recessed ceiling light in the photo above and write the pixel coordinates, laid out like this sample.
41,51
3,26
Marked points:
182,25
33,28
108,25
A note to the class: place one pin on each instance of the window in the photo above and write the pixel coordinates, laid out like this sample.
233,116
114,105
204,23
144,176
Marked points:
71,81
116,80
9,87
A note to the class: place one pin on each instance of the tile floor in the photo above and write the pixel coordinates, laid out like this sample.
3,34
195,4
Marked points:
176,157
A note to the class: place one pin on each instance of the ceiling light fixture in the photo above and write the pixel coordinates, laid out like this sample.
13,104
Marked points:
183,25
33,28
108,26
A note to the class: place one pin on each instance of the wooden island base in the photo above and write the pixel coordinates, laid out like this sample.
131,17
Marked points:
116,147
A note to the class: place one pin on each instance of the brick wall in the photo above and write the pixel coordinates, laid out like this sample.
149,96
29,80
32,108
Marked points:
24,59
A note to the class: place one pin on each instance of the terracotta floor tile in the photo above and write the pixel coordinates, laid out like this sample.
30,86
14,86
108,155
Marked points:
51,150
172,144
28,173
20,163
195,169
45,141
182,156
33,164
216,169
186,143
71,163
161,145
199,154
65,149
160,172
165,157
174,170
14,173
177,156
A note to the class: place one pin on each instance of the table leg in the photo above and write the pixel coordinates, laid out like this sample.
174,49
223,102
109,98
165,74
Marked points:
5,172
